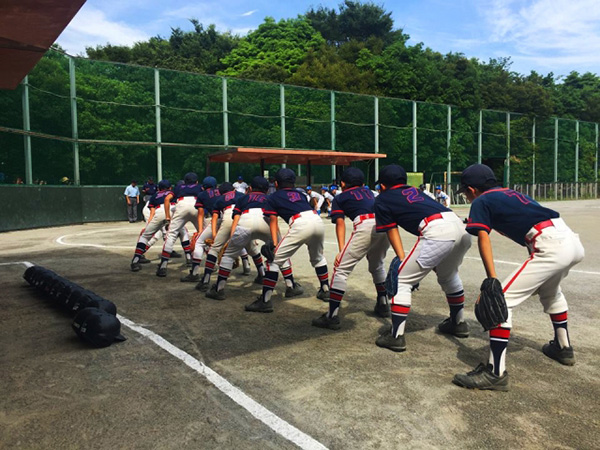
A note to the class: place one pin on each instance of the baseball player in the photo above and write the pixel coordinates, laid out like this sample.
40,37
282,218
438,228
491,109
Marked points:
423,189
249,224
328,199
316,199
442,197
222,209
305,227
553,249
441,245
356,202
155,224
185,212
240,185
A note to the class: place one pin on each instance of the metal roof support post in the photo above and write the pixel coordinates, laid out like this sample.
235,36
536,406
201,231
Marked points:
282,115
332,119
508,150
414,127
158,125
596,162
74,131
555,158
480,137
376,107
577,159
225,126
448,141
27,127
533,159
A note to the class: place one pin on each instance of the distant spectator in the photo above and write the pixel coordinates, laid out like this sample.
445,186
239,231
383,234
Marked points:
240,185
19,180
272,187
65,181
149,189
132,195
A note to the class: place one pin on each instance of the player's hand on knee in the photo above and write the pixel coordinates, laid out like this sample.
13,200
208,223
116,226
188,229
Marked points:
337,260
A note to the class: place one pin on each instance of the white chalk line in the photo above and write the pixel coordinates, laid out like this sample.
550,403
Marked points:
277,424
274,422
61,239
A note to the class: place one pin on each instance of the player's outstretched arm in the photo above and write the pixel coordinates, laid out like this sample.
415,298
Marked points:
200,226
213,224
167,205
274,227
340,232
396,242
151,215
234,224
485,251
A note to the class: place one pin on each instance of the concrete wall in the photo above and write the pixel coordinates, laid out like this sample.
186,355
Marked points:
47,206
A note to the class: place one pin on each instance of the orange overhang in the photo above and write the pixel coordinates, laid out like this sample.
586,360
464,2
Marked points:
291,156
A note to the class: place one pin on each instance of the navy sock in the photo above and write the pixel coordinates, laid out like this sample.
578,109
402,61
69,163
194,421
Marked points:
323,277
269,282
498,343
335,300
456,302
399,314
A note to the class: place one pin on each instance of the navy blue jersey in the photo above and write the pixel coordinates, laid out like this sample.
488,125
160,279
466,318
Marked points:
158,199
404,206
286,203
206,200
225,200
149,188
509,212
187,190
352,203
249,201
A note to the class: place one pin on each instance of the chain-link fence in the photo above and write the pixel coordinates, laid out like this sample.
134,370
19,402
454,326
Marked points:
100,123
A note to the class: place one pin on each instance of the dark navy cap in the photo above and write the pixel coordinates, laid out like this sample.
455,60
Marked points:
190,178
285,175
97,327
477,176
353,176
164,184
392,175
209,182
226,186
259,183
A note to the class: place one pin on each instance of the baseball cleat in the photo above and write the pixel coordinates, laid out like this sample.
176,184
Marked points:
259,279
294,291
460,330
136,267
260,306
174,254
202,286
324,321
190,278
382,309
483,378
161,272
143,260
214,294
563,355
323,295
388,341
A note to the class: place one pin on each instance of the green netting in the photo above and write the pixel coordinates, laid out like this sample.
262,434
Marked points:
12,158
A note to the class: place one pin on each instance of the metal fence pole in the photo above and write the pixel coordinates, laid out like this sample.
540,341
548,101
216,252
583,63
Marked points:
596,162
74,130
225,126
27,127
480,138
533,159
556,158
448,140
508,149
332,116
414,127
282,114
577,159
376,117
159,171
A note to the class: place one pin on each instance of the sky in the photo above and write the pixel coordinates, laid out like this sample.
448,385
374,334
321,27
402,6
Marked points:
557,36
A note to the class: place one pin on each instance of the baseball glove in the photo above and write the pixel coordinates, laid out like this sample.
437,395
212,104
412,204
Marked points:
209,241
490,308
391,279
268,251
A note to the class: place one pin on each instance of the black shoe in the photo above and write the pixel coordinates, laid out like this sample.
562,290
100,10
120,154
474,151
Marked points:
202,286
415,287
294,291
143,260
161,272
563,355
324,321
388,341
482,377
190,278
259,279
460,330
260,306
136,267
174,254
323,295
214,294
382,309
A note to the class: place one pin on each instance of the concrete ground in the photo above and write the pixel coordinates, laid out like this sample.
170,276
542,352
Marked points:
336,387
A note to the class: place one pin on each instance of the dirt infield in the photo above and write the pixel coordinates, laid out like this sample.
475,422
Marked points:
337,388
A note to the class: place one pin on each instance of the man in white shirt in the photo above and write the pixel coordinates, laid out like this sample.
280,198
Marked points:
240,185
132,195
316,199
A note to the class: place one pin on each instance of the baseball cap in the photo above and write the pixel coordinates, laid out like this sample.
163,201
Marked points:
259,183
164,184
240,177
324,188
309,188
352,176
285,175
439,187
97,327
333,187
190,178
225,186
209,182
392,175
477,176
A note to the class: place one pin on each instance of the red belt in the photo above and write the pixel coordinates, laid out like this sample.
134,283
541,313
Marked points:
227,207
431,219
299,214
363,217
539,227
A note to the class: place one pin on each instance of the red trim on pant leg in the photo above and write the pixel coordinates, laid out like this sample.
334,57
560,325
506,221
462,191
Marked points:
341,257
503,333
517,274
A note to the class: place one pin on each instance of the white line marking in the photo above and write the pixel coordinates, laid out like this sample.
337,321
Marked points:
61,239
274,422
25,263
